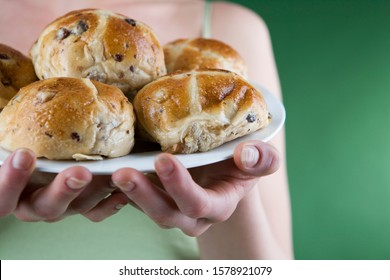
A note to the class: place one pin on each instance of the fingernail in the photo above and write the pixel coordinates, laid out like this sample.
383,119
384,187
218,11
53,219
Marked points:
22,159
249,156
75,183
164,165
112,185
119,206
124,185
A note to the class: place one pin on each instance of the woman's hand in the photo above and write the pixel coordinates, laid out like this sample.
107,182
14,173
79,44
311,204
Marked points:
194,199
37,196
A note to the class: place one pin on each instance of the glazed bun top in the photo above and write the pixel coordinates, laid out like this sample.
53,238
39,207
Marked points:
16,71
65,118
100,45
201,53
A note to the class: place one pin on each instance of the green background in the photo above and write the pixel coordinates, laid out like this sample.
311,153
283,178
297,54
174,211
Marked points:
334,64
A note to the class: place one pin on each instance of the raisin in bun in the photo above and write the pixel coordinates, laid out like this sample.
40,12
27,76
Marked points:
65,118
201,53
16,71
198,110
100,45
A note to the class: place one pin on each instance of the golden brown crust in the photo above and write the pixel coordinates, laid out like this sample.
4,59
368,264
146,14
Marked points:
198,110
60,117
202,53
100,45
16,71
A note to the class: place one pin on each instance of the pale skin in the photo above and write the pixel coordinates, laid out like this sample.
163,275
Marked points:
241,210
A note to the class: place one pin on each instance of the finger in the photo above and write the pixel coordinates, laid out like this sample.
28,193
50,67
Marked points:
14,175
153,201
142,192
192,200
37,180
48,203
96,191
107,207
256,158
214,204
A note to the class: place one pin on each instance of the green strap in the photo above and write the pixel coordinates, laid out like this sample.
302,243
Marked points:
206,32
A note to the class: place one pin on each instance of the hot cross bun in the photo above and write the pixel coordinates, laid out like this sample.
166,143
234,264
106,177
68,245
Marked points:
16,71
65,118
187,112
99,45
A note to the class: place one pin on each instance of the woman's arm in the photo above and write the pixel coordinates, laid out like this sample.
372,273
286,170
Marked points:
260,228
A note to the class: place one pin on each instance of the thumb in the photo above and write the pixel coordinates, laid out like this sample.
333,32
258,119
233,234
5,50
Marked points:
256,158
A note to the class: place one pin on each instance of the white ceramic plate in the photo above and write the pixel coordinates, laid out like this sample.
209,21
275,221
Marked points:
144,161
